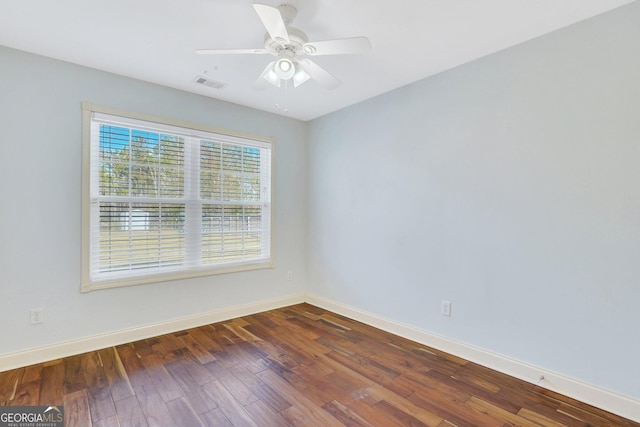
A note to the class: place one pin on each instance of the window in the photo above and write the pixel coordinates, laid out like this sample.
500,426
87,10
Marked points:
164,200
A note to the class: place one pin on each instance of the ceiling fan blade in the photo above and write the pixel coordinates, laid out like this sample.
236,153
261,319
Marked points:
273,22
230,51
319,74
338,46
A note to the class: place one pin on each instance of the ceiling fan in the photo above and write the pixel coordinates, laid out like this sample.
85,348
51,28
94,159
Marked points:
288,44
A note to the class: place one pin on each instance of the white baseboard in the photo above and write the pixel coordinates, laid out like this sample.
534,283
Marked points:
616,403
69,348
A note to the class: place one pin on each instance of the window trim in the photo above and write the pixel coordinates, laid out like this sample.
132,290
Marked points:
86,284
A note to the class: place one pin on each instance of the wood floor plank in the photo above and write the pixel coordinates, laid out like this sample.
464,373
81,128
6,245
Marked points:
505,382
112,421
100,401
154,408
130,413
299,366
278,347
581,411
295,334
267,319
452,410
9,385
339,345
365,367
165,384
165,347
296,417
76,409
200,401
276,353
198,350
328,332
400,415
215,418
264,415
143,348
32,373
203,336
27,394
302,343
345,415
183,413
317,387
242,372
427,417
538,418
231,408
310,411
477,383
238,390
228,338
538,403
347,372
590,417
241,331
73,374
250,356
52,384
375,415
471,386
270,320
116,374
499,413
217,345
320,367
196,370
271,397
311,390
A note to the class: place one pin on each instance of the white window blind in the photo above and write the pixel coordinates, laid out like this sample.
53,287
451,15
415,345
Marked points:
167,201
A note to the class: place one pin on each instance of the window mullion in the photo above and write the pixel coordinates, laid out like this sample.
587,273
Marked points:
265,200
193,205
130,207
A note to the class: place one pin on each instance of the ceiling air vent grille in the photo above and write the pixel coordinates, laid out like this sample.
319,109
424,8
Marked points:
209,83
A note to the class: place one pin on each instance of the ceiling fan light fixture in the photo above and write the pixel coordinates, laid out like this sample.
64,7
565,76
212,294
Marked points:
284,68
300,76
270,76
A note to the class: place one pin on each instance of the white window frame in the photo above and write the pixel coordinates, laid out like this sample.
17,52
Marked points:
90,160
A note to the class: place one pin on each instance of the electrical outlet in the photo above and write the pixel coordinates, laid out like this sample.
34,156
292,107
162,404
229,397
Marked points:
290,276
36,316
445,308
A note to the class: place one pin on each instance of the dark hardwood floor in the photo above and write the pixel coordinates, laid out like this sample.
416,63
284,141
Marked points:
297,366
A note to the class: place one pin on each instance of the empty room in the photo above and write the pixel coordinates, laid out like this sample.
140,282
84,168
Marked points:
315,213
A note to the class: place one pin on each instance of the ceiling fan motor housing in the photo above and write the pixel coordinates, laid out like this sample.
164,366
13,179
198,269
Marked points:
297,39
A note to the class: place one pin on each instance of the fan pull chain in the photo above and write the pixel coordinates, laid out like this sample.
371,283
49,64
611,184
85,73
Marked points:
286,97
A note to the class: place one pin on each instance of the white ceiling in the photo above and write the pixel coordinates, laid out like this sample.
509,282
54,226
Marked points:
154,40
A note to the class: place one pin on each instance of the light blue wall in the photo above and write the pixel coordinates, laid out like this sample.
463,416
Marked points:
509,186
40,206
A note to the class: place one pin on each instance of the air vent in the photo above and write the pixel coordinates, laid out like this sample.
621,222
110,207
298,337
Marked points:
209,83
